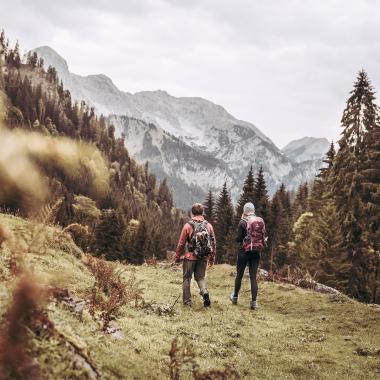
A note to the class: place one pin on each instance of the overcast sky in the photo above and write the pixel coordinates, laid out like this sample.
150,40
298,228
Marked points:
285,65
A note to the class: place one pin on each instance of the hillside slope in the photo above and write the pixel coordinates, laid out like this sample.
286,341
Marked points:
296,334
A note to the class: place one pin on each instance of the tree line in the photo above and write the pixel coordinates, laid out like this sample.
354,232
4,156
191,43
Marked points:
330,227
126,224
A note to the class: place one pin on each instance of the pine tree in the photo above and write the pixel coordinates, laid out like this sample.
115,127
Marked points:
139,246
224,222
16,59
359,117
261,198
300,204
371,201
164,197
108,236
279,230
209,207
328,160
247,195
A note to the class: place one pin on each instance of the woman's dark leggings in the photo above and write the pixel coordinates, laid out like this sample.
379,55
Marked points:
252,259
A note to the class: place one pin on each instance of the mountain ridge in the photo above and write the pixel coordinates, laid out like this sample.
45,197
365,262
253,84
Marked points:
196,122
306,148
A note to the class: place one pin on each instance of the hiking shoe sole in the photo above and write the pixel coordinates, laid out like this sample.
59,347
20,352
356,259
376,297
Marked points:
206,300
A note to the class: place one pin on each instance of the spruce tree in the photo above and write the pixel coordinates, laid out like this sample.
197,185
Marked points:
300,204
164,197
247,194
328,160
279,229
371,201
321,190
209,207
139,247
261,198
359,118
224,222
109,236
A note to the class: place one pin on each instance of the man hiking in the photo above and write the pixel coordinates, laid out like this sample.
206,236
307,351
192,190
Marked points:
198,235
251,236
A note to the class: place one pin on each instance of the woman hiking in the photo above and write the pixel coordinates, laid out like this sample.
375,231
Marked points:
251,236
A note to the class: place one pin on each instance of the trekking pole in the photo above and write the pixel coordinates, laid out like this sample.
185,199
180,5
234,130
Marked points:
175,302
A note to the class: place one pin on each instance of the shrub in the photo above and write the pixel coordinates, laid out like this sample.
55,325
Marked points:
110,292
23,313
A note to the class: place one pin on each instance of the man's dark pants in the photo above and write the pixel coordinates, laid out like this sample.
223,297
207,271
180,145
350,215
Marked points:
198,267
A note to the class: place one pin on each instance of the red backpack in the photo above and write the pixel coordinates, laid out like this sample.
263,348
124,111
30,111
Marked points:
254,240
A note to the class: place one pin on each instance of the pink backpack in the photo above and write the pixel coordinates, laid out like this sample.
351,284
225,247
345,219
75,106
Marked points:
254,240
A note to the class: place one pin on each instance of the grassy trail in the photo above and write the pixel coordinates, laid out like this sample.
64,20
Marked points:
295,334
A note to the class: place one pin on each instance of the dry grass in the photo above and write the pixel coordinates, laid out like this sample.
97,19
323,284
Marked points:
295,334
183,362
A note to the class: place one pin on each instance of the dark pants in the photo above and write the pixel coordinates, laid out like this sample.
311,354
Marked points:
252,259
198,267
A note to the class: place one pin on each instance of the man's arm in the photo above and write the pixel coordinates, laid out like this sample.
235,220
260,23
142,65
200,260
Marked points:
181,242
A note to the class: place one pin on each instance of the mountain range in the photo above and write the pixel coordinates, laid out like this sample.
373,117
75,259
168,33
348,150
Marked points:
196,144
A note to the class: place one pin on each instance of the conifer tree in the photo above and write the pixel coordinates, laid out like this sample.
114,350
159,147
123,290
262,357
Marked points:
108,236
321,188
359,117
300,204
164,198
231,247
279,229
139,246
15,56
261,198
224,222
247,194
328,160
209,207
371,201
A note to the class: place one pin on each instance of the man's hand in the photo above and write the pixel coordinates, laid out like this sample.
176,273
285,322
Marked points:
211,263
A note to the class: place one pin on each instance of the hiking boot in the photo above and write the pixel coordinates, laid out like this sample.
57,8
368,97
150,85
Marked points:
206,300
254,305
188,303
233,299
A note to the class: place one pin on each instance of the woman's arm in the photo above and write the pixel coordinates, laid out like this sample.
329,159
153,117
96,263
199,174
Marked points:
241,232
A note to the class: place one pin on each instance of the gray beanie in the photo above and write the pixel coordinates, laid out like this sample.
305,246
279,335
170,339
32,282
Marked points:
249,208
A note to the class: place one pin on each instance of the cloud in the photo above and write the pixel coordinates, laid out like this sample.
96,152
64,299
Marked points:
286,66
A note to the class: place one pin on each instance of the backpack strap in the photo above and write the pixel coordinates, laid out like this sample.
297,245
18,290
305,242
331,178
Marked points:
190,238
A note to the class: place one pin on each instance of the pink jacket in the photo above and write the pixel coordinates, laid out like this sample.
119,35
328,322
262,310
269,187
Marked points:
185,237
